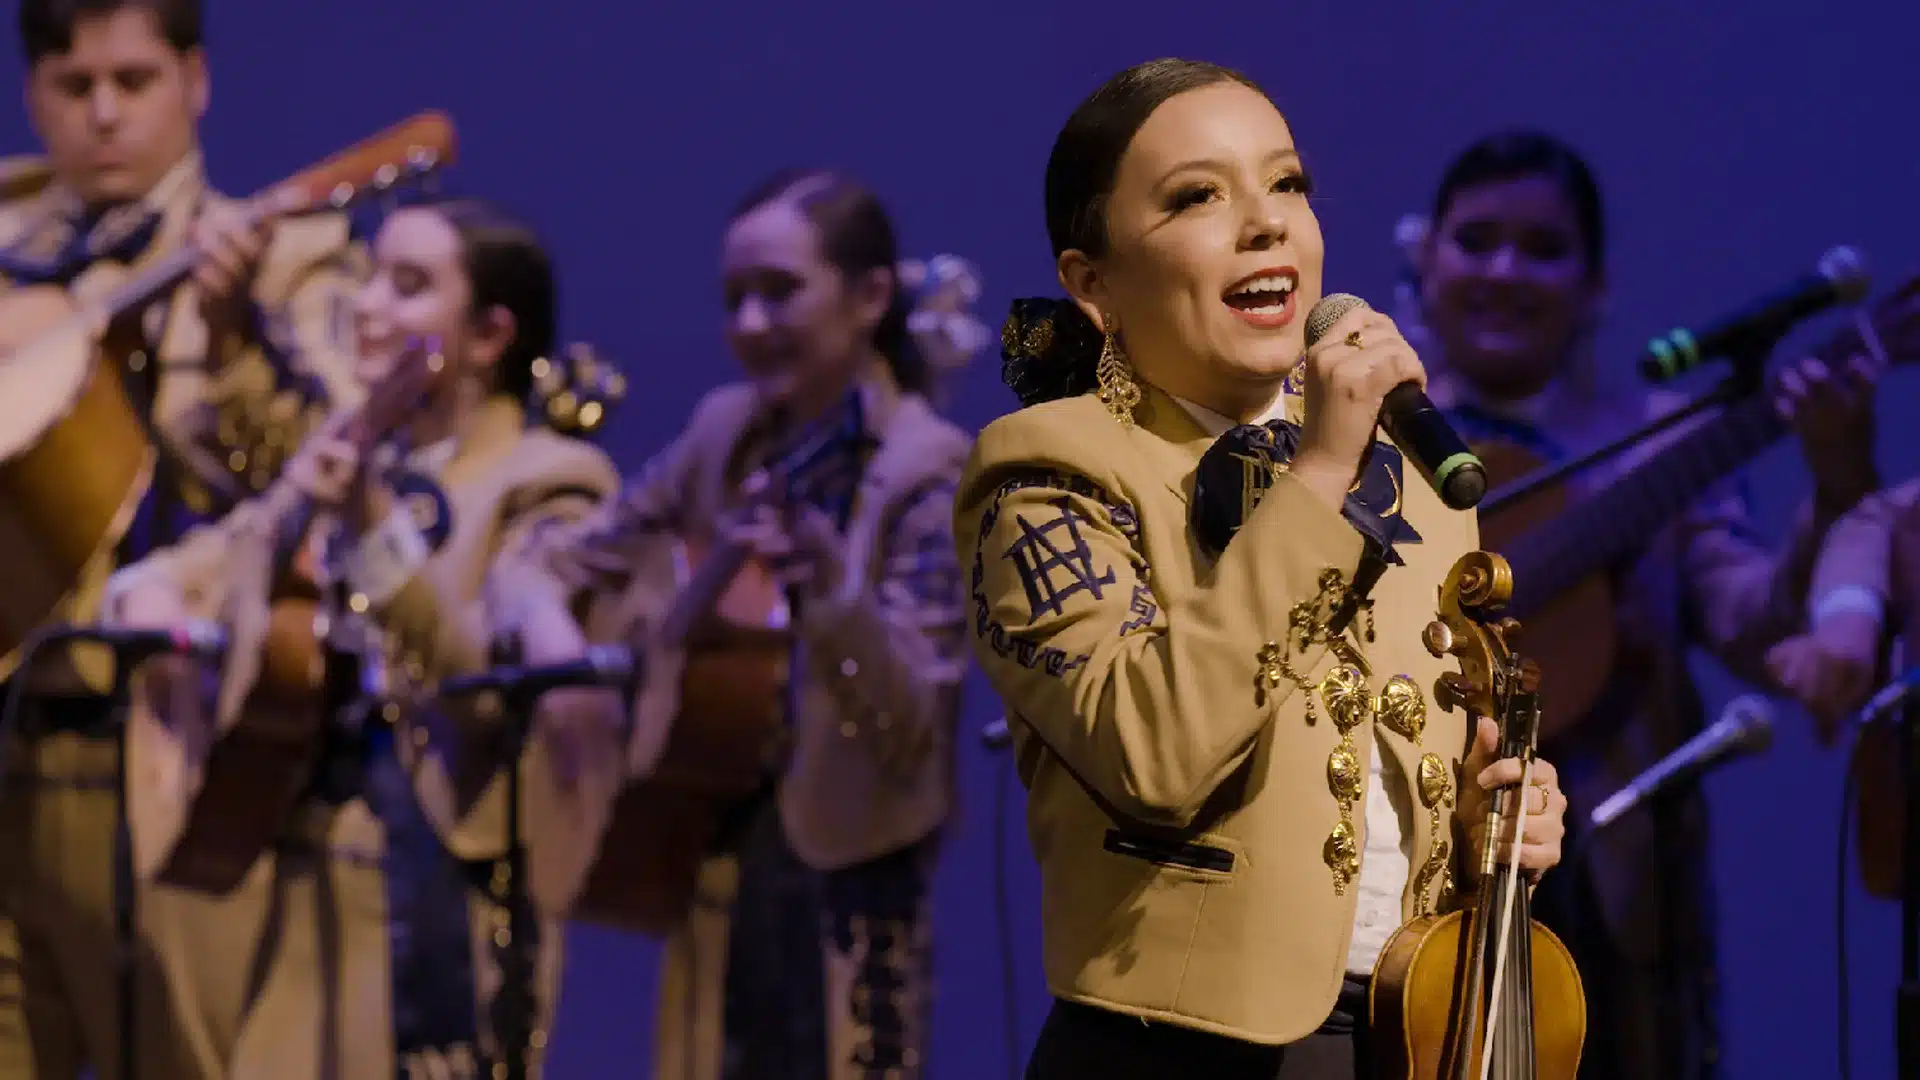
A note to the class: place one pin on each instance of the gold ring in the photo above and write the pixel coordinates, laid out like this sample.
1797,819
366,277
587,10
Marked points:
1353,339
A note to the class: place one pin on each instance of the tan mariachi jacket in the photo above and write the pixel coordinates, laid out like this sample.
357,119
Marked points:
503,482
879,665
1196,865
226,412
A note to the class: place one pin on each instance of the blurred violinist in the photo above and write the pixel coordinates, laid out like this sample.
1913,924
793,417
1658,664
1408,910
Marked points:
1512,285
806,949
230,368
357,945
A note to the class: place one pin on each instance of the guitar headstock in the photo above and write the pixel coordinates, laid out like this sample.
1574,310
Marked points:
574,392
942,323
1468,626
402,154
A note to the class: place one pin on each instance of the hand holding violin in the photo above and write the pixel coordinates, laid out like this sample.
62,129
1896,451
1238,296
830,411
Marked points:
1546,805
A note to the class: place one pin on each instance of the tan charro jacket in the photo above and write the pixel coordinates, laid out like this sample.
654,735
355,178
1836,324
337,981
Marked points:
503,482
1180,811
226,413
878,665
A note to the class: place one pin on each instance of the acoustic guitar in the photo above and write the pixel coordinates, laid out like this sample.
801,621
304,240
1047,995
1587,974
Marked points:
1564,548
75,457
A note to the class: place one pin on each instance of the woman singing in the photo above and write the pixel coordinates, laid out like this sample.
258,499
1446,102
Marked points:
806,952
358,946
1219,872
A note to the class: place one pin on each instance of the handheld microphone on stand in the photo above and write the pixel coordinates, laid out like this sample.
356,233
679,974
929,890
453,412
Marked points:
614,667
997,735
132,644
1840,278
1745,727
1419,428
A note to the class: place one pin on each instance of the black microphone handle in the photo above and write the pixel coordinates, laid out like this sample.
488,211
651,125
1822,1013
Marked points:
1437,451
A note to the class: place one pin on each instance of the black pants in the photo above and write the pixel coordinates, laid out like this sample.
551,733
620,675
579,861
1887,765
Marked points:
1083,1041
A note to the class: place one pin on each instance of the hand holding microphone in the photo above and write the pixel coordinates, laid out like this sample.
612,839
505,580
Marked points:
1361,374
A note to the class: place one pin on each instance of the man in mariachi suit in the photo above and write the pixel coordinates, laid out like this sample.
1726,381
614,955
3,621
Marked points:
230,369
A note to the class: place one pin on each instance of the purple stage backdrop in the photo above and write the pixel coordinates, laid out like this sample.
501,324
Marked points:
1735,143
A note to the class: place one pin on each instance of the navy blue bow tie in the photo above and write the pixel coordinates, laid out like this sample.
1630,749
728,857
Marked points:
121,234
1237,469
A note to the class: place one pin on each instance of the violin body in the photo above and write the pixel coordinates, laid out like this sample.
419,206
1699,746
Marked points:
720,746
1451,989
1575,634
1416,994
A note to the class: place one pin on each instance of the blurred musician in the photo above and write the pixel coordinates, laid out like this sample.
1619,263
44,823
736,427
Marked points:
231,367
355,947
806,950
1512,282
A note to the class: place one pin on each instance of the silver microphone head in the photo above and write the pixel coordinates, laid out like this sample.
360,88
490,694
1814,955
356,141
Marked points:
1327,312
1847,270
1751,717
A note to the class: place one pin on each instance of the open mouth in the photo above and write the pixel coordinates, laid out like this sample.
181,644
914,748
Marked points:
1264,298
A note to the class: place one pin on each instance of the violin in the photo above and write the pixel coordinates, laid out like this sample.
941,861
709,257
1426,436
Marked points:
1484,992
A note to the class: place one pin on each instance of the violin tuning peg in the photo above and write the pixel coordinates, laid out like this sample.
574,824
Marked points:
1438,638
1509,629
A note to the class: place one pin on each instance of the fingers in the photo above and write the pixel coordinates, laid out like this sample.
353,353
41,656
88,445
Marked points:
229,248
1364,372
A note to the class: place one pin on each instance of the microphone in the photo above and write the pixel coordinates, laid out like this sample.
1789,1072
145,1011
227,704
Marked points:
611,666
1840,278
1745,727
1893,696
1420,429
191,637
997,735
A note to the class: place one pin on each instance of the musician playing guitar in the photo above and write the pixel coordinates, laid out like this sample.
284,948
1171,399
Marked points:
227,368
802,948
399,551
1512,281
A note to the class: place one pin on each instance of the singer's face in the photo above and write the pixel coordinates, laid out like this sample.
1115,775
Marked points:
1214,254
1508,288
420,292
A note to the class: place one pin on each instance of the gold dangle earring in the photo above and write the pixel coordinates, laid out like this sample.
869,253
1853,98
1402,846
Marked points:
1118,392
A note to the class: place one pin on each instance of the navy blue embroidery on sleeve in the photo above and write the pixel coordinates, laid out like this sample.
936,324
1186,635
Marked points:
1075,556
1054,569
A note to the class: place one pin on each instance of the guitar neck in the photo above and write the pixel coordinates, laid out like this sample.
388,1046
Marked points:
172,268
1601,530
700,594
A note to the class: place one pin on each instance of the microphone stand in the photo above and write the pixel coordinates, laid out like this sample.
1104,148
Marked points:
1745,380
125,910
1907,997
517,940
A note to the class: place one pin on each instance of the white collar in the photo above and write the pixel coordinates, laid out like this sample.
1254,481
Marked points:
1217,424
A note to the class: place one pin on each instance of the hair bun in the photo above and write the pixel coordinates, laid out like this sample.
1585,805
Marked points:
572,395
1049,350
